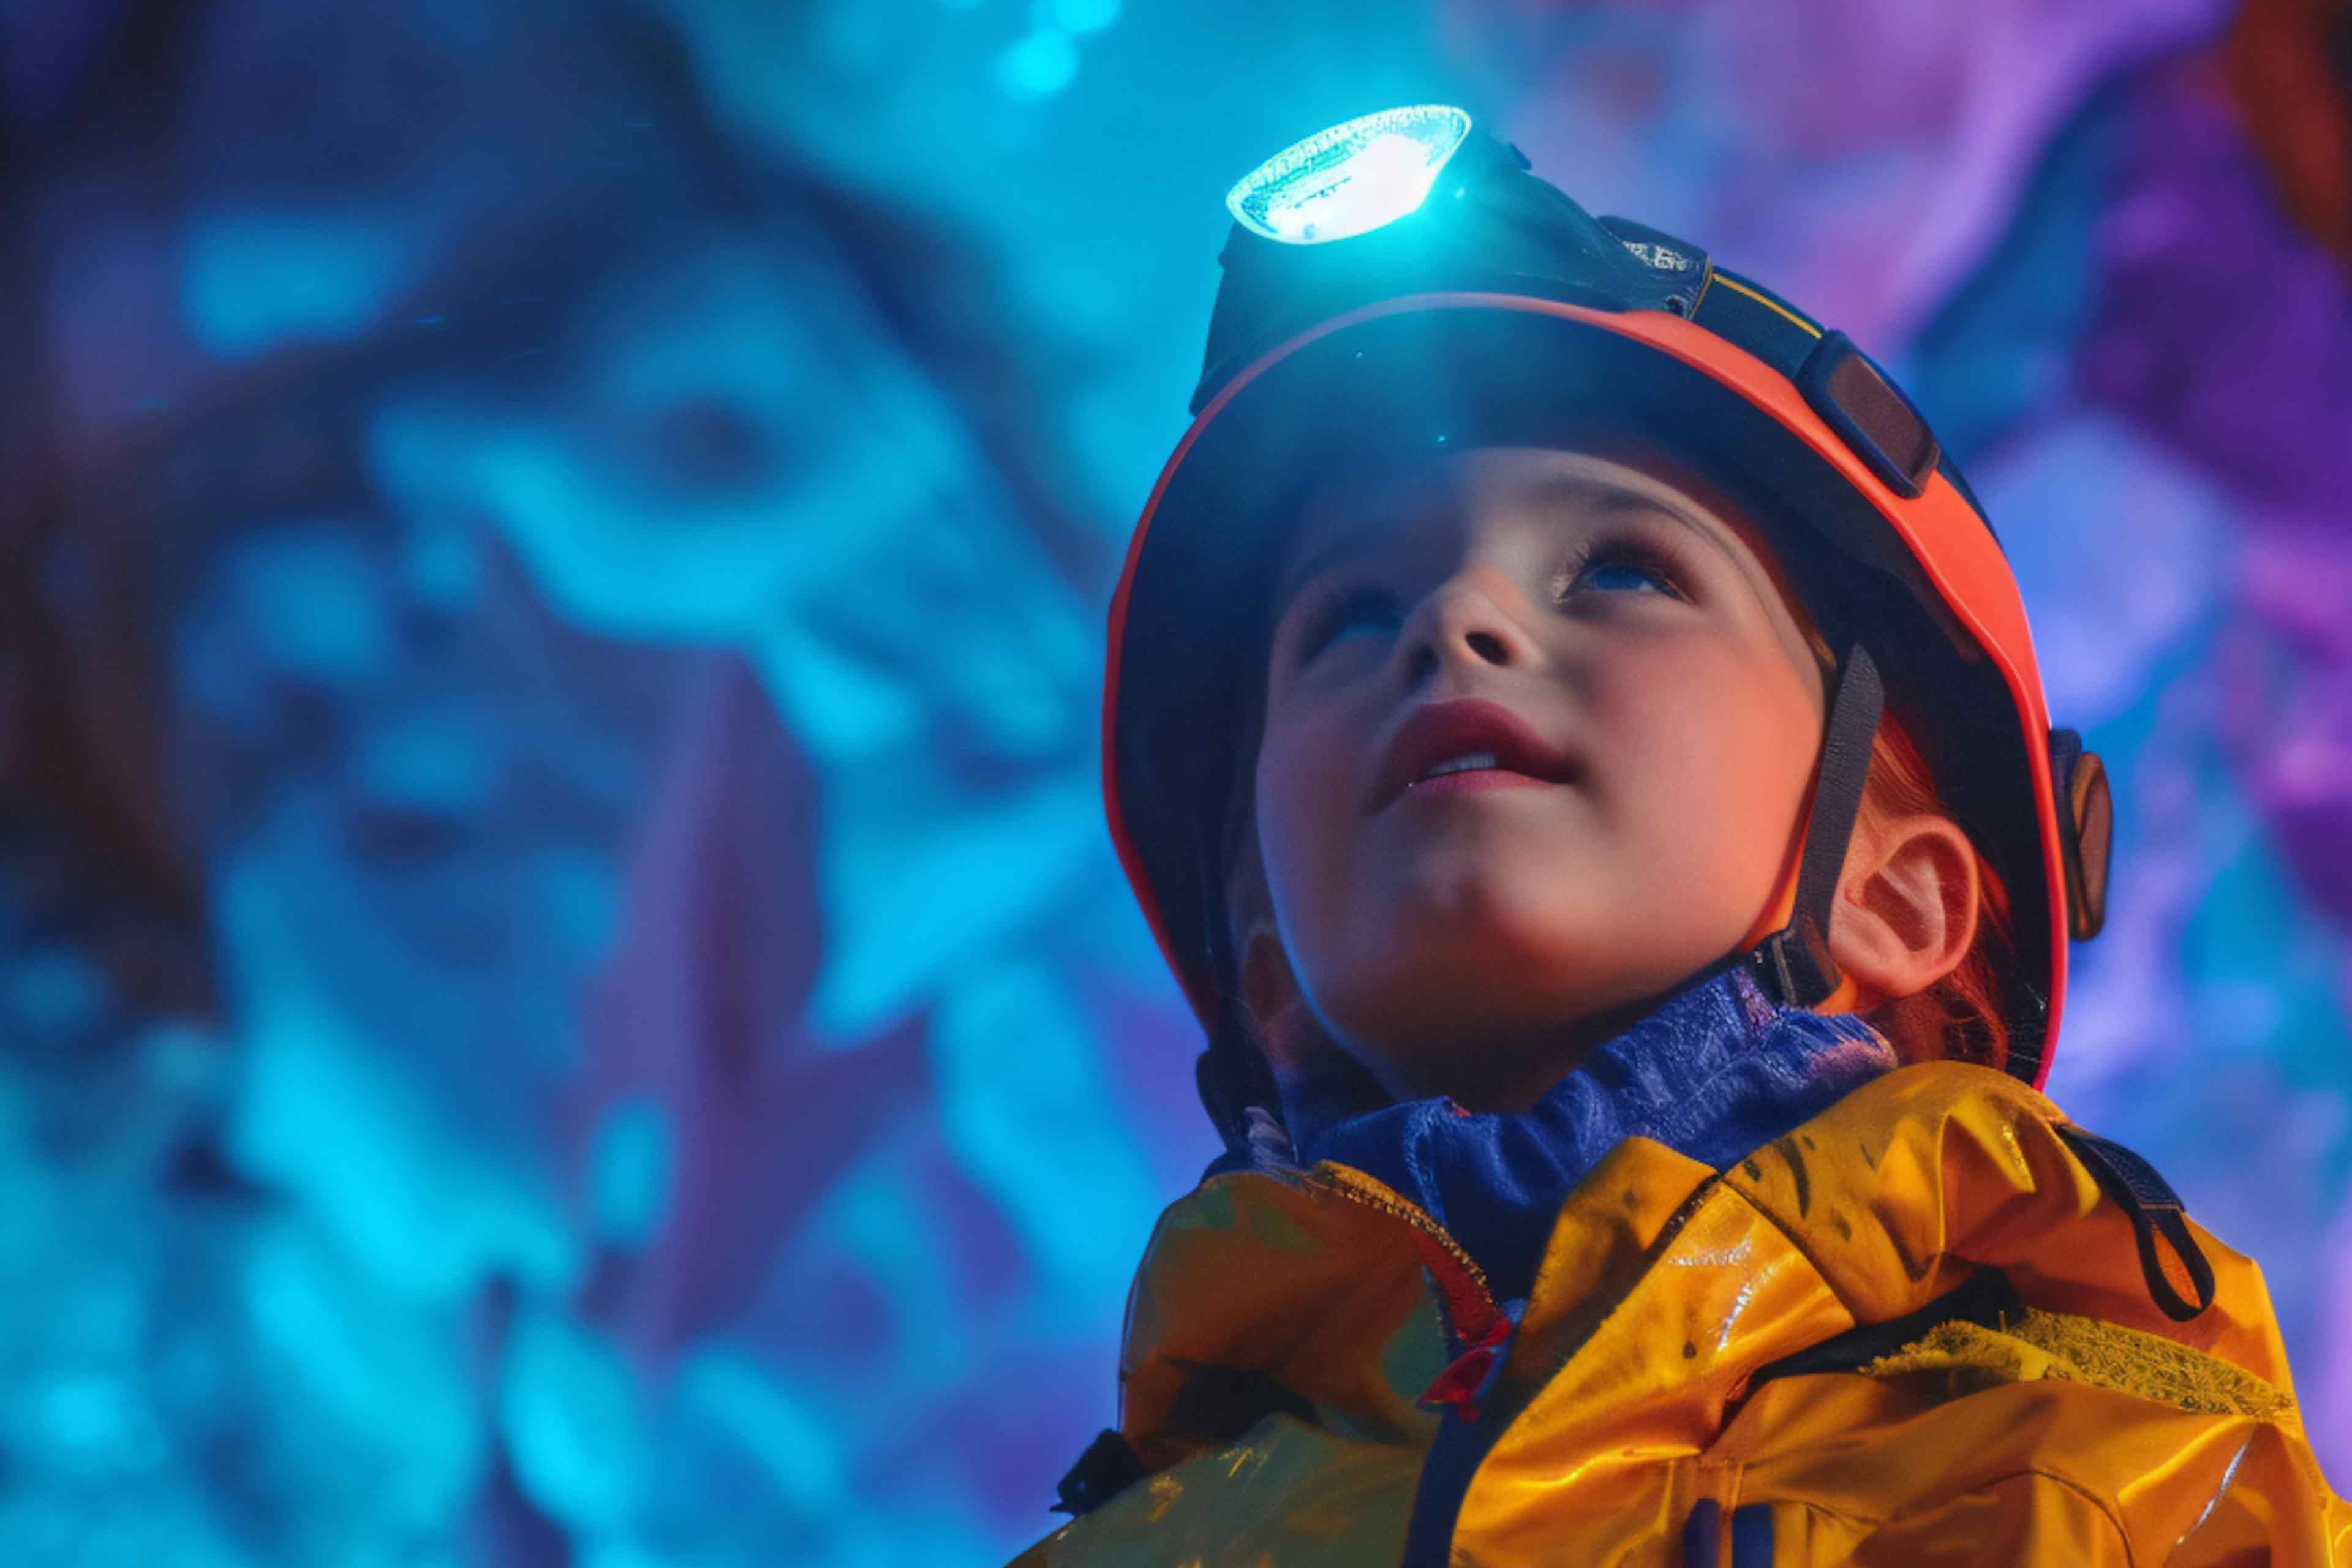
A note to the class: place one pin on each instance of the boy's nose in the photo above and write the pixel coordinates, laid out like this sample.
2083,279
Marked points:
1465,621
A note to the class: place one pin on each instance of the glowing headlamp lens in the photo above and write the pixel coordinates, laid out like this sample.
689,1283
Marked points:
1350,179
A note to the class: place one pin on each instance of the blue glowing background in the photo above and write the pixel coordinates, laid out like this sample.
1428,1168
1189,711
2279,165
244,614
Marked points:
563,997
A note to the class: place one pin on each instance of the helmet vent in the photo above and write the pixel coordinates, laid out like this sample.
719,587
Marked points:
1869,414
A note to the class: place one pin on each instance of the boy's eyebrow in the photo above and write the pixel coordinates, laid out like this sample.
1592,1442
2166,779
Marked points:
1323,559
1609,500
1605,499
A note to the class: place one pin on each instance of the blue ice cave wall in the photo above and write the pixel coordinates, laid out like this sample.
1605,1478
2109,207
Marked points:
564,998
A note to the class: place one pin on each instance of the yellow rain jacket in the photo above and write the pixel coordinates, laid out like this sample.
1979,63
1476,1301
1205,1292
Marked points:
1754,1367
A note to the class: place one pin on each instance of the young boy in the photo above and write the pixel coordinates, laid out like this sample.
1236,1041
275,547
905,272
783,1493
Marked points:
1579,746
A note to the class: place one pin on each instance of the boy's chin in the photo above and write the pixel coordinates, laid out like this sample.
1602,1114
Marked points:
1446,995
1507,940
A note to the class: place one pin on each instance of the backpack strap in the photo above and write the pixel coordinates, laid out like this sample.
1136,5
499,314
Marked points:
1215,1407
1108,1467
2156,1210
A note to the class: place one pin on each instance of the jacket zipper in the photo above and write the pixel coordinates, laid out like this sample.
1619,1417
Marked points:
1466,1431
1472,1320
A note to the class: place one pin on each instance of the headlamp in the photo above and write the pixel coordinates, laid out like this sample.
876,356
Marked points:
1351,179
1509,233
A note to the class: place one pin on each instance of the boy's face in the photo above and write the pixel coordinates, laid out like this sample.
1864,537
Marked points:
1449,934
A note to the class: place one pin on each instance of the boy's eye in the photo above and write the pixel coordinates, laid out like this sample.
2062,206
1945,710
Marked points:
1345,614
1616,569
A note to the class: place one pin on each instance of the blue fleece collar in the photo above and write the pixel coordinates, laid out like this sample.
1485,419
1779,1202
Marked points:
1716,1072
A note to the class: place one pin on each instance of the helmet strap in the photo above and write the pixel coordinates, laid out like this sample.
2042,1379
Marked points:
1793,964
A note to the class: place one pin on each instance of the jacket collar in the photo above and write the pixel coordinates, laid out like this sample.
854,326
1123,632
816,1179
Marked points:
1665,1284
1716,1072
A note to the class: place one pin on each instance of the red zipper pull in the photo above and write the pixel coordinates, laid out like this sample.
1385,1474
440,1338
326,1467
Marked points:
1462,1386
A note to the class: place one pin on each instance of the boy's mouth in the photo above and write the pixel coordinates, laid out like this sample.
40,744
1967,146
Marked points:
1461,739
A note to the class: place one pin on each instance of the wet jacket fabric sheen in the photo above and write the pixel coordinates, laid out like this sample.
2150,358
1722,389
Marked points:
1285,1326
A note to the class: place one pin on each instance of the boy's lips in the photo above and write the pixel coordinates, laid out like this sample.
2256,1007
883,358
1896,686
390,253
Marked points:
1440,732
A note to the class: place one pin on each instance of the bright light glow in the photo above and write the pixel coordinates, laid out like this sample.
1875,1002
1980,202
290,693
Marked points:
1039,65
1076,15
1350,179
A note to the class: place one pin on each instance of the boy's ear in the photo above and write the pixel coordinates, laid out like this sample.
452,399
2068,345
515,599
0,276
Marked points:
1906,907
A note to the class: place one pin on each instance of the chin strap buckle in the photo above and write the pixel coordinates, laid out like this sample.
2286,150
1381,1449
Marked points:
1794,966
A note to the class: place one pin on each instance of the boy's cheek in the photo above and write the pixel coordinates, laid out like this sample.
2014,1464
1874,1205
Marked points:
1322,765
